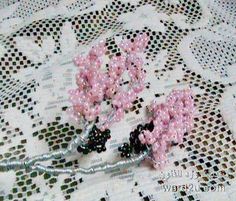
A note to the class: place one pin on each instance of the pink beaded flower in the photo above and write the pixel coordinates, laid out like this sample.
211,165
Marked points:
94,85
171,120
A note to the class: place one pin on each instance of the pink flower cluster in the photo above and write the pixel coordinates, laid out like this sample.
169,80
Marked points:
95,85
171,120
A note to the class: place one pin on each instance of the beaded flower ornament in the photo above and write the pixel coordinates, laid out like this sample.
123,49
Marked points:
165,126
96,85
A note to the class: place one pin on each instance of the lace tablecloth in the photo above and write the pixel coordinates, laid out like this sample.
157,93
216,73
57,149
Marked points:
193,44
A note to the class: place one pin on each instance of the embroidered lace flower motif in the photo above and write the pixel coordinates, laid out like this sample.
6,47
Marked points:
144,16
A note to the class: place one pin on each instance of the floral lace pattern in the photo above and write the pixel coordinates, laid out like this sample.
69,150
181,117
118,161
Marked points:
192,44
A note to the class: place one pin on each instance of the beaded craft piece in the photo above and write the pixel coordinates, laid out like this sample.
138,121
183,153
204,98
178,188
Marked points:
191,44
167,123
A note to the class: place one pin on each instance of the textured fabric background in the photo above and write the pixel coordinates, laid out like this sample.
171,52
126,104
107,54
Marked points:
193,44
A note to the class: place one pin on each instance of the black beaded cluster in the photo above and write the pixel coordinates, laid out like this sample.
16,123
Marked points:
125,150
96,141
135,145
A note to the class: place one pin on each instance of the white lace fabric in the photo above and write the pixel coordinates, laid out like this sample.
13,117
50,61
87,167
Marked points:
192,44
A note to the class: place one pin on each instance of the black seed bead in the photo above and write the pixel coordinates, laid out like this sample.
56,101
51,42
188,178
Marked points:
99,150
125,145
146,126
94,128
140,128
86,151
174,143
107,131
80,149
125,150
150,126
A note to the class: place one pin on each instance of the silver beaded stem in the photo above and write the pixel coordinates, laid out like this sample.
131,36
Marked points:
29,163
92,169
20,164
